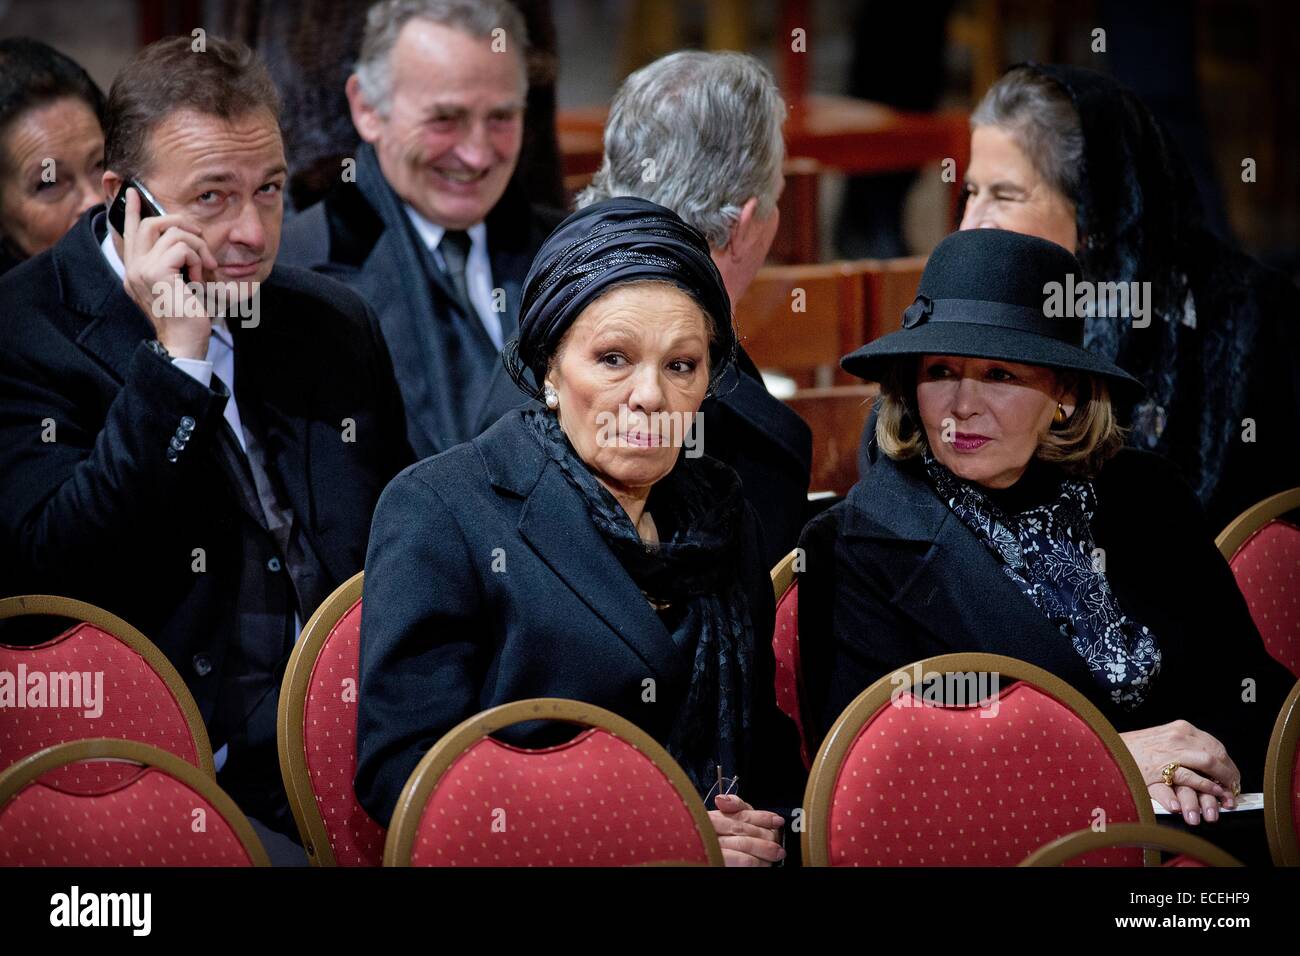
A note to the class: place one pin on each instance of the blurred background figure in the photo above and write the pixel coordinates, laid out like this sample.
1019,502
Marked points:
907,75
51,147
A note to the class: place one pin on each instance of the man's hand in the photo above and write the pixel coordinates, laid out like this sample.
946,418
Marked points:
154,251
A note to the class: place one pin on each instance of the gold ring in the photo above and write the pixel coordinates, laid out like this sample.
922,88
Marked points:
1167,772
1236,789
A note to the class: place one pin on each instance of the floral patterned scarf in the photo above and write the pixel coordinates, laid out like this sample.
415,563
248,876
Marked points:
1048,553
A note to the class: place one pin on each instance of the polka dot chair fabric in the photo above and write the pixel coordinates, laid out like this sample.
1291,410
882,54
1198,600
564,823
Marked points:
330,739
86,683
1267,568
593,801
929,785
101,813
785,647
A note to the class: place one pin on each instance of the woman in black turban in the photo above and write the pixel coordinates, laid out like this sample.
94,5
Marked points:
583,546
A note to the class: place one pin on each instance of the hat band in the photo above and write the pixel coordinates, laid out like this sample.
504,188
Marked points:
998,314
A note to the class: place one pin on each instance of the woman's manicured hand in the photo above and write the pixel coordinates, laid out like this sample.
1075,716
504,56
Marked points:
1206,776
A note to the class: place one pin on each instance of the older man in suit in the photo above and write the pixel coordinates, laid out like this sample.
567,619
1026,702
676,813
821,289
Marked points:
188,437
425,226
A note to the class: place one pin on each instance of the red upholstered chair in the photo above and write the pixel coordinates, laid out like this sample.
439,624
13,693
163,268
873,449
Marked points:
1282,784
1191,850
141,698
1264,552
785,647
108,802
977,774
611,796
316,727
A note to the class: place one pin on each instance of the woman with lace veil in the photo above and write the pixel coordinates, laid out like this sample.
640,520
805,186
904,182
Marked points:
1069,155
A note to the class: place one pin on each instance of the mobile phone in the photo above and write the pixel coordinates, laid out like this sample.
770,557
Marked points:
149,206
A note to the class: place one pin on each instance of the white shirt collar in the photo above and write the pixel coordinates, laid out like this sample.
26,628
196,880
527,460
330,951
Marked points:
115,263
110,253
431,233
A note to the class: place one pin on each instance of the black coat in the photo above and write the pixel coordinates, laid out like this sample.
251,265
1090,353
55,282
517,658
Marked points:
99,513
746,427
486,582
444,360
893,576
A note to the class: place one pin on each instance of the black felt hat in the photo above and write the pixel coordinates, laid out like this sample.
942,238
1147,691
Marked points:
987,293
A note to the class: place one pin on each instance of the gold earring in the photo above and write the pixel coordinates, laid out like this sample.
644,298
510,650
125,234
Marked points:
1060,416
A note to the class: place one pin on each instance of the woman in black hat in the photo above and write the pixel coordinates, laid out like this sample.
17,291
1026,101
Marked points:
1068,154
582,547
1000,513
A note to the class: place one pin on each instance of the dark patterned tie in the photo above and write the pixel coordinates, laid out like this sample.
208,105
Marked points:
455,246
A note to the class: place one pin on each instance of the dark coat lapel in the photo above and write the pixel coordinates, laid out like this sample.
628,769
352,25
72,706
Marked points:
436,350
107,323
945,579
277,401
555,523
742,390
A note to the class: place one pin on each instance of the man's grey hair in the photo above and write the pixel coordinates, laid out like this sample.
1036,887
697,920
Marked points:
384,22
1038,114
699,133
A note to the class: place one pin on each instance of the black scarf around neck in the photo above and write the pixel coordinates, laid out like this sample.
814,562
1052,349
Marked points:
691,578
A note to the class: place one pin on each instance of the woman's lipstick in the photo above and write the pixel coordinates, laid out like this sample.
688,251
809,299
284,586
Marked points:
964,442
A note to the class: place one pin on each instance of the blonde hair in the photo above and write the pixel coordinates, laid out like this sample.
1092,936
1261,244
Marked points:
1084,443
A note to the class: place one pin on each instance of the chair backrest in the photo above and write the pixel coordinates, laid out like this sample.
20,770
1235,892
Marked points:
1082,846
798,319
1282,784
966,760
611,796
836,417
889,287
316,726
1264,552
785,647
99,678
798,237
105,802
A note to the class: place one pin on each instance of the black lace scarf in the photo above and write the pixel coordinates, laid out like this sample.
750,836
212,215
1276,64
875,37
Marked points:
691,577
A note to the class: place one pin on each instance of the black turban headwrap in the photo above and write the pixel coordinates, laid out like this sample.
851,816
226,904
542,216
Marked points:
607,243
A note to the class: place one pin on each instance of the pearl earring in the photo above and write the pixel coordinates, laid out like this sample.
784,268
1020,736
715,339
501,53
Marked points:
552,397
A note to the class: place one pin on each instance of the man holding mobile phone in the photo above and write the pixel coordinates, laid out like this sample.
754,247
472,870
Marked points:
189,437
